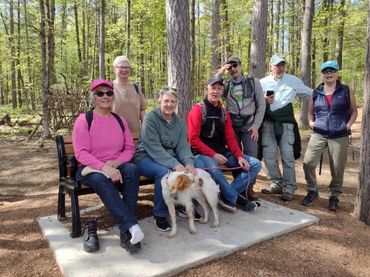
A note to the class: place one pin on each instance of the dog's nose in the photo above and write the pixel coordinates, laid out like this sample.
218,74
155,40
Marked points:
175,195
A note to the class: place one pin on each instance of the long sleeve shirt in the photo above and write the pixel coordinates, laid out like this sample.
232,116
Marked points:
103,142
194,130
285,89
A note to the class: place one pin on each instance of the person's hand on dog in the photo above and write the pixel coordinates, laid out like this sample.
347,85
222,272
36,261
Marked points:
191,169
221,159
113,173
243,163
180,167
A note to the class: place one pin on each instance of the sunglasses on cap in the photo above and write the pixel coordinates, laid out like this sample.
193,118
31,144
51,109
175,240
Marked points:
101,93
329,70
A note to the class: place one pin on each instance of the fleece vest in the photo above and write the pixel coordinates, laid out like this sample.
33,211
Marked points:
331,121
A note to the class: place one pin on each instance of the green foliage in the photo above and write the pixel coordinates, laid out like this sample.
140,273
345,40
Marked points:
148,51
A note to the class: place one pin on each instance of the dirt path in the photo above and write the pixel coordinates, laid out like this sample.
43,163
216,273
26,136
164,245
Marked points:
337,246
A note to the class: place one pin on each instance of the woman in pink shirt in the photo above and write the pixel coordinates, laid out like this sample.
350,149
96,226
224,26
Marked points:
103,149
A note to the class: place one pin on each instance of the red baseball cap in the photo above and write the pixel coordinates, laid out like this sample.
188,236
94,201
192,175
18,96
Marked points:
100,82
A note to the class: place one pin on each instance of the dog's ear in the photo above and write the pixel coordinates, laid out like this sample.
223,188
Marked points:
201,182
182,182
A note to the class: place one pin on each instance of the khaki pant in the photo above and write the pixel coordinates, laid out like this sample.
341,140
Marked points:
337,149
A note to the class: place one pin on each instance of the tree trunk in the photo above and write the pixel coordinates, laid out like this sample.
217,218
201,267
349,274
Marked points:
2,96
44,73
306,35
193,47
178,44
259,37
12,54
29,70
271,48
102,40
128,28
50,40
77,29
277,25
215,42
226,30
18,59
362,205
339,45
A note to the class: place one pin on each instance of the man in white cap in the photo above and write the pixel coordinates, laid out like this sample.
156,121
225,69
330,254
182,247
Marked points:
280,130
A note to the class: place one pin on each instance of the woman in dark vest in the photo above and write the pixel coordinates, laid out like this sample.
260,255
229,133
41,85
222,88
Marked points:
332,111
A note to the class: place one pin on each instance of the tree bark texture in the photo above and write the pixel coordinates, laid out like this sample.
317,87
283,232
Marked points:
128,28
362,205
259,37
44,72
179,52
226,30
77,28
12,54
51,40
306,40
339,44
102,40
215,31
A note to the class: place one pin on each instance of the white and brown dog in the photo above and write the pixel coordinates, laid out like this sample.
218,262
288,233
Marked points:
182,187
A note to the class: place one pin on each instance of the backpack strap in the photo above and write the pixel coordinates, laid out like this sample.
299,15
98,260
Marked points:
136,86
90,116
204,112
118,118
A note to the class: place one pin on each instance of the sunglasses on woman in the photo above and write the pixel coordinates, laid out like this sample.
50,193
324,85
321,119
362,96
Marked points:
101,93
329,70
233,65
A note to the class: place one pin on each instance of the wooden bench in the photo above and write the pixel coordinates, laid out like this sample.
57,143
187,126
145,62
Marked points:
68,185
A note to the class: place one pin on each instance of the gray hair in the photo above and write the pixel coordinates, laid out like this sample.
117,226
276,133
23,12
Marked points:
119,59
167,90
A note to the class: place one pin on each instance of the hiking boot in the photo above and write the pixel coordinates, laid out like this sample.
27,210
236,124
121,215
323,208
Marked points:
245,204
125,237
226,205
181,212
90,237
286,196
310,197
333,203
161,223
273,190
252,195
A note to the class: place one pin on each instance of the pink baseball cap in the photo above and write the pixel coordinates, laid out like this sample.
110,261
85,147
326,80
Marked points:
99,83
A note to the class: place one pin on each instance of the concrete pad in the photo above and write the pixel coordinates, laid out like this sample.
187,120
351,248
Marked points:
161,256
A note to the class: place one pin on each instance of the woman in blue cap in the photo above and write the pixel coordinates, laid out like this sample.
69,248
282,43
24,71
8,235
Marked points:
332,111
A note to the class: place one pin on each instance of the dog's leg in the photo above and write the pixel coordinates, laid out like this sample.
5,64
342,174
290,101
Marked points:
202,202
190,211
213,203
172,212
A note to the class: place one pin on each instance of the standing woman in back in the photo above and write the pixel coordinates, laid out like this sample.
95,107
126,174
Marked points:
128,99
332,111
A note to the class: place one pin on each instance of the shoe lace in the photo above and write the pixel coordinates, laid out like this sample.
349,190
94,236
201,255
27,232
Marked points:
91,227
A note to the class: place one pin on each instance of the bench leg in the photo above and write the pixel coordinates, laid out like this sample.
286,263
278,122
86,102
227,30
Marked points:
61,204
76,220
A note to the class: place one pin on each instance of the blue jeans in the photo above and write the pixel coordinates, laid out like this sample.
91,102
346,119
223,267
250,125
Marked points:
123,210
242,177
151,169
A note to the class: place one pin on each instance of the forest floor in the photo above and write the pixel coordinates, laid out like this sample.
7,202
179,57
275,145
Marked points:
337,246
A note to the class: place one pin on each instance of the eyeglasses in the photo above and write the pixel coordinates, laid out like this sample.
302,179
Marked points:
102,93
123,67
329,70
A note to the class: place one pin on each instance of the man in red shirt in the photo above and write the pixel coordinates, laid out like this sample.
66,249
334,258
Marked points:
213,142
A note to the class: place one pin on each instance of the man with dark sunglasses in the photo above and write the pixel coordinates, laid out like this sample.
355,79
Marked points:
245,102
